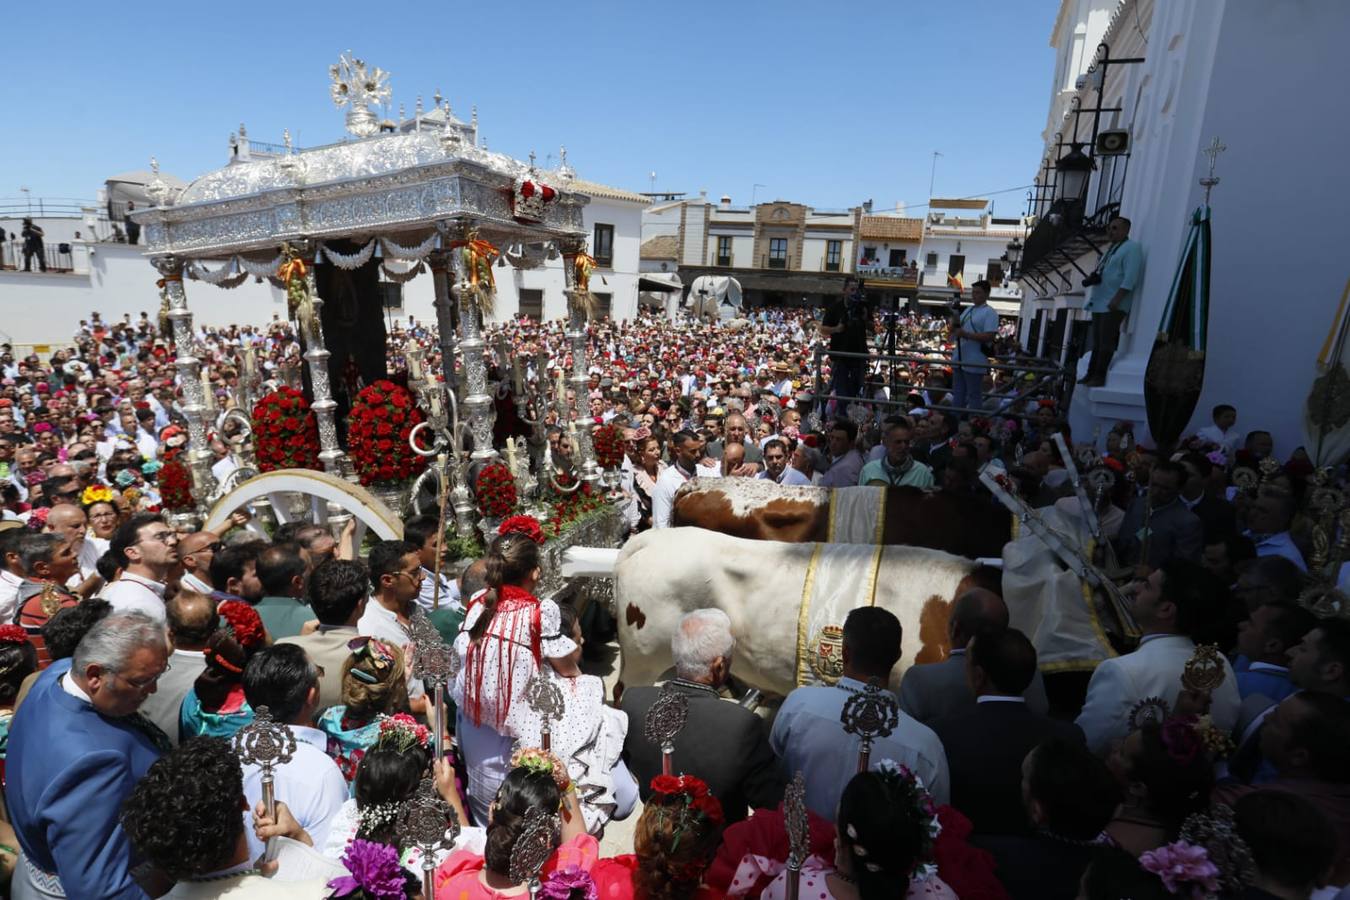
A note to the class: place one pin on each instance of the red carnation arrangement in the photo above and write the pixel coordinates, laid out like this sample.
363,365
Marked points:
608,443
526,525
285,432
381,419
175,486
495,490
572,507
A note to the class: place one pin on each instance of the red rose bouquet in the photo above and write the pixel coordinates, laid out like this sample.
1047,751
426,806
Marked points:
608,443
526,525
285,431
175,486
495,490
572,507
692,793
381,419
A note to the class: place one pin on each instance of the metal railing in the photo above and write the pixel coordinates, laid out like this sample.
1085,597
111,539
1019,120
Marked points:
44,207
1048,380
58,257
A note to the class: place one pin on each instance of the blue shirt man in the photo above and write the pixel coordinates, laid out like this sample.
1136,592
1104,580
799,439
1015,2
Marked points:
1120,270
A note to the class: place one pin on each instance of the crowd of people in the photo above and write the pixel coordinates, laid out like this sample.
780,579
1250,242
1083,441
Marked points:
133,654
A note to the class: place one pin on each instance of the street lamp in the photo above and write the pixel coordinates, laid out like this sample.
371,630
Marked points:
1014,255
1073,170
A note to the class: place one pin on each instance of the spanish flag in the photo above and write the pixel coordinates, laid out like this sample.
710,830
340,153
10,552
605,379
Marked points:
954,280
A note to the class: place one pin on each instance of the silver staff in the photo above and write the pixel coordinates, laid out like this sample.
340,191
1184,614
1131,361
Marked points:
433,663
1090,519
798,832
265,743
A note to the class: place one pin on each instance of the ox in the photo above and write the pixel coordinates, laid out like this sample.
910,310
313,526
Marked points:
762,510
662,574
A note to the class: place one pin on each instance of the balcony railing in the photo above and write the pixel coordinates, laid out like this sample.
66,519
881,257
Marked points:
59,257
902,274
777,262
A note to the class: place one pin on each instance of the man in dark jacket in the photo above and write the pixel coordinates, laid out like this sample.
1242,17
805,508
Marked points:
986,774
721,742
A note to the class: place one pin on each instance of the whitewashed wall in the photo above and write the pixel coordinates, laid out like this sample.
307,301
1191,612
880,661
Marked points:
46,308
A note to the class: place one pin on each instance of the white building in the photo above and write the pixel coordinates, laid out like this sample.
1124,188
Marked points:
1265,79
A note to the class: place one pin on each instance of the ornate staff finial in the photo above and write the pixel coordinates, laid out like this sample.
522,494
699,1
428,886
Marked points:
1212,151
427,822
533,846
870,713
265,743
665,719
544,696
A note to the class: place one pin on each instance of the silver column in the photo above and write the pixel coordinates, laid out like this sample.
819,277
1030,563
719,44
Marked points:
477,404
189,367
439,261
576,339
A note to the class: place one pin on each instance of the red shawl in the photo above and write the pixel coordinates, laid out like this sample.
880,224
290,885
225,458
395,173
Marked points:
516,609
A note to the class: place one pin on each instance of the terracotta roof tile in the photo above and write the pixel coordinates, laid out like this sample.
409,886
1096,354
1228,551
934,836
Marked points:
663,246
892,227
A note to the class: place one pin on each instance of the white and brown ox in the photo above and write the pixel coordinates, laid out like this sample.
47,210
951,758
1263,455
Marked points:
763,510
662,574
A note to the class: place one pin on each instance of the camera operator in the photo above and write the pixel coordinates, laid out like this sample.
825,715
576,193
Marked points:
973,333
845,323
1112,283
32,246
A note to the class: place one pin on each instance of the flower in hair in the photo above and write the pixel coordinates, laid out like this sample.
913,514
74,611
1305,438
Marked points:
526,525
375,873
536,760
96,493
37,519
909,788
242,621
401,732
13,634
571,883
1184,868
1181,740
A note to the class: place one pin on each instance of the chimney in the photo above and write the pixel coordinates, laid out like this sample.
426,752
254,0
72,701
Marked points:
703,195
867,205
726,202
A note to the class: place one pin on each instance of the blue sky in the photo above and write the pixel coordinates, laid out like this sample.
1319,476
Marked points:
827,104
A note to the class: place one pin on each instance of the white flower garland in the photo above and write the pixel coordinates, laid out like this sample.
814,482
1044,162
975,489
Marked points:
349,261
396,251
200,272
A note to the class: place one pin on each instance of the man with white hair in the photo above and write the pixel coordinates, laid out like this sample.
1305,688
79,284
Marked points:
721,742
77,746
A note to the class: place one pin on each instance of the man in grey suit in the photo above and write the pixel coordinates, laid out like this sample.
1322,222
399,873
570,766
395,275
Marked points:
192,618
933,690
721,742
1170,530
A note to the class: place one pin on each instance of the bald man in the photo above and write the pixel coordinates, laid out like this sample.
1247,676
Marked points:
70,522
932,690
733,455
195,552
191,617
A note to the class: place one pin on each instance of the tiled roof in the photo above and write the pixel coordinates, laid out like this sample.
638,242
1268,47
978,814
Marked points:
663,246
608,193
893,228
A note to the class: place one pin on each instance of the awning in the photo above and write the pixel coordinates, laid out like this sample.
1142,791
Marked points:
660,283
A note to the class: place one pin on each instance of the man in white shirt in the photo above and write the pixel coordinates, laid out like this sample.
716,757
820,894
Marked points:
846,461
687,450
11,570
976,328
1268,520
146,549
1222,432
1170,607
396,581
807,735
283,679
